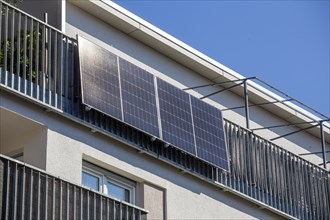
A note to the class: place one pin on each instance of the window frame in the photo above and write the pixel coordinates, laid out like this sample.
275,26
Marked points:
106,176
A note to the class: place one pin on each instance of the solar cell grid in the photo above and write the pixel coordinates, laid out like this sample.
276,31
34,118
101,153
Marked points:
138,95
209,133
99,77
177,128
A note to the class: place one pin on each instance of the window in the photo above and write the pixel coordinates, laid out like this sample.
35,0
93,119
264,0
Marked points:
108,183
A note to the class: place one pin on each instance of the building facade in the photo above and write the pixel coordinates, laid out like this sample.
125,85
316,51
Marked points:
74,161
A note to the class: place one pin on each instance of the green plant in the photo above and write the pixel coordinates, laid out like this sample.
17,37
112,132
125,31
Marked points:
26,62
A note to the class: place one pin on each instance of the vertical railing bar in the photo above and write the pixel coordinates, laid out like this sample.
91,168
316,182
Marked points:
14,194
276,179
49,66
87,208
307,174
66,77
60,81
272,177
277,169
239,164
315,194
60,198
127,215
43,54
114,209
303,189
31,195
18,51
6,209
254,167
293,186
285,180
67,201
55,69
74,204
94,205
265,185
5,49
120,210
260,172
299,192
22,189
53,198
296,186
251,165
25,52
71,72
101,207
37,61
31,58
319,195
107,209
306,186
38,197
81,203
326,186
242,162
290,183
236,148
281,179
46,197
230,147
12,48
246,163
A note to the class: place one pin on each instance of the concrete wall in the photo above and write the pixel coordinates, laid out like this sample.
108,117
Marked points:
87,25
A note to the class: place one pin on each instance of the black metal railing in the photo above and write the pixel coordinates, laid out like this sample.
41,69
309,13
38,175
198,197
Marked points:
43,67
29,193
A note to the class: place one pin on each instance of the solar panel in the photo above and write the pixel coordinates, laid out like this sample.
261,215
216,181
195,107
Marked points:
99,78
209,133
122,90
139,99
175,114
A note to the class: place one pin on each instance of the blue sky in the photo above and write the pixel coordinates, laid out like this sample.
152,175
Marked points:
285,43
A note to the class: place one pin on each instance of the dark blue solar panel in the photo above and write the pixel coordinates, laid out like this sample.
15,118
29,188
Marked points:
209,133
139,99
129,95
99,78
176,120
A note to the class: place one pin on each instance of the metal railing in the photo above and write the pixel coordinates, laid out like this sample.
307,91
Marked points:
275,176
36,59
28,193
43,67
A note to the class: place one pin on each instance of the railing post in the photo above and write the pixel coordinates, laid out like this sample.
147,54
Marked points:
246,99
323,146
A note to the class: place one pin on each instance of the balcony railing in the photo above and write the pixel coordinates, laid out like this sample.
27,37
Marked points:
40,63
28,193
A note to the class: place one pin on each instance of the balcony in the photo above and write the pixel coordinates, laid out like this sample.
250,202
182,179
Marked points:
29,193
39,63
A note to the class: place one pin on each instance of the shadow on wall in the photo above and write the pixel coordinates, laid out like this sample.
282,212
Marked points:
22,136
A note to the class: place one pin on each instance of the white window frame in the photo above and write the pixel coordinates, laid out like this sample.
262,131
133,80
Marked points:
106,176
